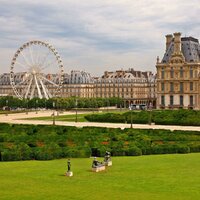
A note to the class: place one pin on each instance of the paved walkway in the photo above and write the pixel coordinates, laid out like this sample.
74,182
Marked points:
19,119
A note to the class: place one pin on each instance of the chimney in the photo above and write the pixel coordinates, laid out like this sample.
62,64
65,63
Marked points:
177,43
106,73
168,40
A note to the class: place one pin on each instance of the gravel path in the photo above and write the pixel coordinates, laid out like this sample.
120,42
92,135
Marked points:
19,119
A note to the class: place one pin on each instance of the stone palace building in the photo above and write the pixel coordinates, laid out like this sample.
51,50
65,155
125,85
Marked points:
134,87
178,74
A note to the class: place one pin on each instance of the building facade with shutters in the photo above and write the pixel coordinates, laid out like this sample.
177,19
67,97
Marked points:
178,74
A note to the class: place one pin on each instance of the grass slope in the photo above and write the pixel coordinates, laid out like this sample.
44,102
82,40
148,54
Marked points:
174,177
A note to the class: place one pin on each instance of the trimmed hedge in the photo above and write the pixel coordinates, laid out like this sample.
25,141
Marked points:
164,117
18,152
25,142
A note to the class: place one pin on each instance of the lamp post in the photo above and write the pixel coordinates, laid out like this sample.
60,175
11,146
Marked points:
45,104
36,104
131,107
53,115
150,113
57,107
76,104
26,106
107,104
6,107
93,105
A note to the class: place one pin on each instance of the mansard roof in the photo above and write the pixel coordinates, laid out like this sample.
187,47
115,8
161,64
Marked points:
190,48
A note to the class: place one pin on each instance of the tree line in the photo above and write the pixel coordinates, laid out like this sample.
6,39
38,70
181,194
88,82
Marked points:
59,103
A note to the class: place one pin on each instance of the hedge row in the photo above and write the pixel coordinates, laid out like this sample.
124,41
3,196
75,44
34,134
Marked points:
53,151
25,142
164,117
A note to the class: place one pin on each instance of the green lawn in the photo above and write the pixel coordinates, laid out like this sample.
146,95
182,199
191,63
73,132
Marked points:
11,112
69,118
163,177
72,117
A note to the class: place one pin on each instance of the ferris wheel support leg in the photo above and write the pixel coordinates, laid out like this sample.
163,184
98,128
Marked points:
38,88
48,92
29,86
32,91
44,90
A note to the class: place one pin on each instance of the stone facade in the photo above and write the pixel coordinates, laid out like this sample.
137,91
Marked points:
178,74
134,87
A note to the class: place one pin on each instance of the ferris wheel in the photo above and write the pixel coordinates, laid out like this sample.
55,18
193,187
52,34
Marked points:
36,71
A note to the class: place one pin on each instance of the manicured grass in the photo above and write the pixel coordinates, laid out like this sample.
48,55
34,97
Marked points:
11,112
69,118
174,177
72,117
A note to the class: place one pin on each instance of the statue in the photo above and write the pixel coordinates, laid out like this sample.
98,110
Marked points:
97,166
69,172
96,163
68,165
107,159
158,59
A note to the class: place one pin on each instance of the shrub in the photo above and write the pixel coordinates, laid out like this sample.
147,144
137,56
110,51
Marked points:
194,148
107,117
133,151
48,152
71,152
164,117
168,149
183,149
118,152
1,138
24,151
19,152
10,155
51,142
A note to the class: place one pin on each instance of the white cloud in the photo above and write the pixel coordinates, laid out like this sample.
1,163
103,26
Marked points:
97,35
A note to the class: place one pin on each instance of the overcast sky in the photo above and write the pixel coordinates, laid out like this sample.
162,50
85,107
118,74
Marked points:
97,35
